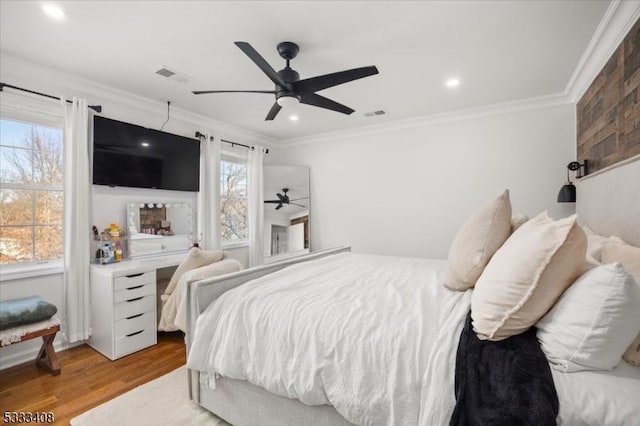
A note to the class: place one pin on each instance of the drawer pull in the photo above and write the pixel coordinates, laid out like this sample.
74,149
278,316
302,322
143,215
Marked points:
134,299
133,334
133,288
135,275
134,316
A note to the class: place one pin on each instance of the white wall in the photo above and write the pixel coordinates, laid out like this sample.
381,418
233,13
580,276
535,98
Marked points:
406,191
109,204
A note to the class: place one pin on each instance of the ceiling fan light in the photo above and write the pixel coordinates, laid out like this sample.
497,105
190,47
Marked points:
288,101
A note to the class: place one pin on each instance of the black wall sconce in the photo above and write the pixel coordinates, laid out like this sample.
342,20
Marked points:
567,193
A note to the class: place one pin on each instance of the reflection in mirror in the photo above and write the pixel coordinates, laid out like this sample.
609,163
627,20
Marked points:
286,212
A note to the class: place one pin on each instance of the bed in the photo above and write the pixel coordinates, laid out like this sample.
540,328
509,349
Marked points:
405,374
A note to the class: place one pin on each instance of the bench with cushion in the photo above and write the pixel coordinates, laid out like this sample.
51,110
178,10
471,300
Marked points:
29,318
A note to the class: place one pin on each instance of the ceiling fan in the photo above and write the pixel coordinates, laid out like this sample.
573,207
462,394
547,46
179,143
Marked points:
284,199
290,90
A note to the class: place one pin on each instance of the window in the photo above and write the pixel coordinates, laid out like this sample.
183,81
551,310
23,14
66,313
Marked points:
31,191
233,199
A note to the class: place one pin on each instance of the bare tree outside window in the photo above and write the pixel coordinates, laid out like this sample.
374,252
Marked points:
233,201
31,192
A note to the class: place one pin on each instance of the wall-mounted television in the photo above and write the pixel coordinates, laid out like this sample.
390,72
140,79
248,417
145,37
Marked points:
128,155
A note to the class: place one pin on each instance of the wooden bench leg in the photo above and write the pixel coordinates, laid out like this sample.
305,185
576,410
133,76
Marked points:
47,357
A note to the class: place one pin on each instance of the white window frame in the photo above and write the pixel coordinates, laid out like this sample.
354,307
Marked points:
42,112
238,155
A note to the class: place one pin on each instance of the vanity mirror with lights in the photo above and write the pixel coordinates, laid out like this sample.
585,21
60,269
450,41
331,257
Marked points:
159,227
286,212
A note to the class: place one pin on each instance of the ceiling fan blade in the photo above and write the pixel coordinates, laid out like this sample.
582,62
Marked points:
282,198
261,63
322,102
275,109
204,92
314,84
272,201
298,199
279,206
299,205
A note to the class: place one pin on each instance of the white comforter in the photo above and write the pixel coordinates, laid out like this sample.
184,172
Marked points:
369,335
375,337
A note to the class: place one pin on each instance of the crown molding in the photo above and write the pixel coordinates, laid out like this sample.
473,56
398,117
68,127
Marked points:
538,102
73,85
614,26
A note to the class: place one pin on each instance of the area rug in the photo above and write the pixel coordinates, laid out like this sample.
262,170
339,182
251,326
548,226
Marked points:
163,401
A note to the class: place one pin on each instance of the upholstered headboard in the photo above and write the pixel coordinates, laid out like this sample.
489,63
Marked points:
608,201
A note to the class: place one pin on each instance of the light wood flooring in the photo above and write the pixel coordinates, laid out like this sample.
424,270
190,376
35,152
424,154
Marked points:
87,379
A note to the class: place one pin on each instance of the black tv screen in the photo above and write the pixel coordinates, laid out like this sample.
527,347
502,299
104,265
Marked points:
128,155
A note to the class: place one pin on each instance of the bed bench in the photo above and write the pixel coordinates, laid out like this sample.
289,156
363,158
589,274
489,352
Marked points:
47,357
29,318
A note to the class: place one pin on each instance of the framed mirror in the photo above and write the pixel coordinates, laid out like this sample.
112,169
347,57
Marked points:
286,212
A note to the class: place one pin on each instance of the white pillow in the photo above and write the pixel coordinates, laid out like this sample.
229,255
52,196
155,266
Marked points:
594,321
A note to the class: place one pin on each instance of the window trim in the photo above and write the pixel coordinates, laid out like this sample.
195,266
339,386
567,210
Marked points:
26,111
235,244
17,271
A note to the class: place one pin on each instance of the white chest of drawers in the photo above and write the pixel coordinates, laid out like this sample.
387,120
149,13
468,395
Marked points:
123,311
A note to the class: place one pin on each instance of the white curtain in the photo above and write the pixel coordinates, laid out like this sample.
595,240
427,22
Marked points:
77,228
208,197
256,205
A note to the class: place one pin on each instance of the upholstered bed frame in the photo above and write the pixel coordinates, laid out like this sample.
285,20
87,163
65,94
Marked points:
608,202
237,401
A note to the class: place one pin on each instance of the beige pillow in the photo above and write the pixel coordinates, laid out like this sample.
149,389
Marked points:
195,259
629,256
478,239
527,275
632,355
517,220
595,245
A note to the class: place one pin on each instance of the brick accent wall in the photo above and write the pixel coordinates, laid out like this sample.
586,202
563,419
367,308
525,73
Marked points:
608,114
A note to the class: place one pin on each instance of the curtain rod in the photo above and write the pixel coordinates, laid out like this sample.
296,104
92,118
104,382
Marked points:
96,108
201,135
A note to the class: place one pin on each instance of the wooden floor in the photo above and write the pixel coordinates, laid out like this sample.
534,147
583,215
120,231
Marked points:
87,379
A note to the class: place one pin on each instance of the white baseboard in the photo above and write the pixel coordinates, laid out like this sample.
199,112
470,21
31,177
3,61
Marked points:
28,355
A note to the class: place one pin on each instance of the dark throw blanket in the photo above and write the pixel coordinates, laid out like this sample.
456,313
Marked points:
503,383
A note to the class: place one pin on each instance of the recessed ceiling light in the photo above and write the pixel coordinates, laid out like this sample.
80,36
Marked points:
293,117
453,82
145,144
53,11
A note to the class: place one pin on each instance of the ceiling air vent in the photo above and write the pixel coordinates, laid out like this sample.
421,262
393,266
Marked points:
174,75
165,72
375,113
